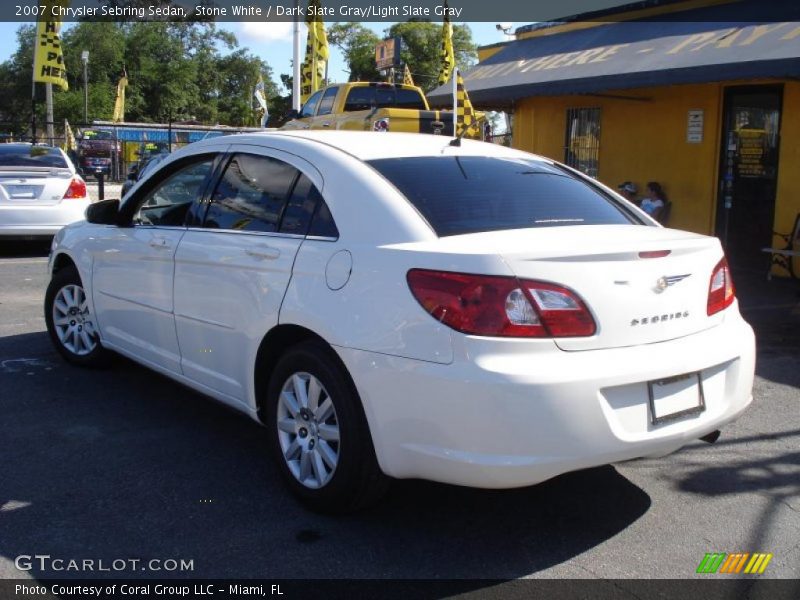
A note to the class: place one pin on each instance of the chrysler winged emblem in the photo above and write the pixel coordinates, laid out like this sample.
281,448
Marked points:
667,280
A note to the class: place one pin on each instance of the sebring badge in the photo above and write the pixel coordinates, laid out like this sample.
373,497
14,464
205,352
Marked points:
666,281
660,318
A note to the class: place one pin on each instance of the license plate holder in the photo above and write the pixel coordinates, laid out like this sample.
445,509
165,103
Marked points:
675,397
22,192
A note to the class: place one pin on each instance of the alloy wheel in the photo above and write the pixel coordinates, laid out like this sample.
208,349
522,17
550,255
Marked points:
73,322
308,430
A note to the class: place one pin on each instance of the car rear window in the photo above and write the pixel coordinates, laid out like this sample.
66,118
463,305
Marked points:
366,97
97,135
31,156
469,194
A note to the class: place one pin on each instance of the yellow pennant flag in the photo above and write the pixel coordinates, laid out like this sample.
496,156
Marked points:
119,101
48,56
407,78
317,54
447,53
465,115
69,138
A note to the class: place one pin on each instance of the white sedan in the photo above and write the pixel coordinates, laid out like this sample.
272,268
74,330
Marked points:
402,306
40,191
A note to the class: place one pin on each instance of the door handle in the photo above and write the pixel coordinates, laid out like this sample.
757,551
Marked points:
263,251
306,126
158,243
326,124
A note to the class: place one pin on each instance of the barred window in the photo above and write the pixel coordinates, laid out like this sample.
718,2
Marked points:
582,142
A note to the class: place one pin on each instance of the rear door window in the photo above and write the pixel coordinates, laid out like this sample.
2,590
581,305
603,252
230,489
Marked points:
251,194
359,98
469,194
326,104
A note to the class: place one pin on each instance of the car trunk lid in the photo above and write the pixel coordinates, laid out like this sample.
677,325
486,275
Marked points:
642,284
33,185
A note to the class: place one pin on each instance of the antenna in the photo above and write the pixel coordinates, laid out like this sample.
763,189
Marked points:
457,140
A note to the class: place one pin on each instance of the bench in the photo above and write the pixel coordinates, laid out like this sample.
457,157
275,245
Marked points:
784,256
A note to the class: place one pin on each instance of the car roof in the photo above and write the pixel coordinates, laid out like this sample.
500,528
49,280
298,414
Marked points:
21,145
369,145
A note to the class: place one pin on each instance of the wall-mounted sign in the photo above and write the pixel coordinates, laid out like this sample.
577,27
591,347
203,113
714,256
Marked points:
694,127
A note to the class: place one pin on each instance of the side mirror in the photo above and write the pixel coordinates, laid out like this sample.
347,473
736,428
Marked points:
132,176
293,114
105,212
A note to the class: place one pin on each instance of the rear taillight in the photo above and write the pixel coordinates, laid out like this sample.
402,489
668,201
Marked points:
76,189
720,289
500,306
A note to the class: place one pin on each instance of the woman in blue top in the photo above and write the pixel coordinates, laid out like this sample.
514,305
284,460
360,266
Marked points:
655,201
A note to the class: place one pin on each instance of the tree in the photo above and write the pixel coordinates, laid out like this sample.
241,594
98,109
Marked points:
15,83
106,43
163,78
422,45
357,43
177,70
239,74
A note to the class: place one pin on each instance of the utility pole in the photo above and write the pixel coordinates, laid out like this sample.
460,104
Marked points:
48,89
85,61
296,59
33,112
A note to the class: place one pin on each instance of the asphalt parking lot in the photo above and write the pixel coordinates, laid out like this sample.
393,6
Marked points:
123,463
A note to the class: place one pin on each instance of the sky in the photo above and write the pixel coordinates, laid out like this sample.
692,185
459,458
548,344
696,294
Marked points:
272,41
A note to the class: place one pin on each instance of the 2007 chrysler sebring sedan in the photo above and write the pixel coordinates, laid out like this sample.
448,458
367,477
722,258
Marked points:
394,305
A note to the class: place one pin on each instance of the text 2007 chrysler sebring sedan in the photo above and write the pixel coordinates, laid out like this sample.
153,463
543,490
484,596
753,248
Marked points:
396,305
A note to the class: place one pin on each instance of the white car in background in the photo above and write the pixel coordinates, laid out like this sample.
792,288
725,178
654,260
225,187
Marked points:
40,191
404,306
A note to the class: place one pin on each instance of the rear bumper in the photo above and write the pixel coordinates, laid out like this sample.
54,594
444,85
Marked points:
516,414
39,221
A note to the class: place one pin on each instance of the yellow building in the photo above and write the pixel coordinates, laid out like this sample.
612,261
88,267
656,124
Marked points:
702,99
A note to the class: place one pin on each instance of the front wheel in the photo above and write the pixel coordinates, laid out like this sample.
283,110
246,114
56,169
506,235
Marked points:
69,321
319,433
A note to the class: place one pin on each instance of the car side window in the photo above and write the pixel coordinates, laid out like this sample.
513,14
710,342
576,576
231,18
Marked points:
322,225
326,104
251,194
168,201
300,208
307,213
309,108
359,98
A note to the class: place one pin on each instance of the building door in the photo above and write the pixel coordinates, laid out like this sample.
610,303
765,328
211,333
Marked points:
749,173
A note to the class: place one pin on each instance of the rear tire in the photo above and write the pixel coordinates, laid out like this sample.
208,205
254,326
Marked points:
319,434
70,322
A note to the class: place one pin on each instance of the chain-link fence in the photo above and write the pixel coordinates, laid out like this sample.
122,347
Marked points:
114,149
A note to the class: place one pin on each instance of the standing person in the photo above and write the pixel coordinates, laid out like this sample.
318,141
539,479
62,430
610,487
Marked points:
628,190
655,201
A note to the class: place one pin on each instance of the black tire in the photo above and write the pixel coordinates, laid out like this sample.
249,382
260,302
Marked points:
356,482
77,352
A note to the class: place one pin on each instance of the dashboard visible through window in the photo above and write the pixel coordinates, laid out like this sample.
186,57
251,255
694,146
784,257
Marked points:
168,202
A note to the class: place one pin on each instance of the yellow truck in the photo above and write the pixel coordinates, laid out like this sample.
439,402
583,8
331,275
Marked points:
370,106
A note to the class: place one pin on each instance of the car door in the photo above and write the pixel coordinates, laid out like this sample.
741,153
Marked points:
133,269
325,119
231,274
306,116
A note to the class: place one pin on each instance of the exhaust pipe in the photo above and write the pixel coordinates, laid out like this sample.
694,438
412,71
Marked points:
712,437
